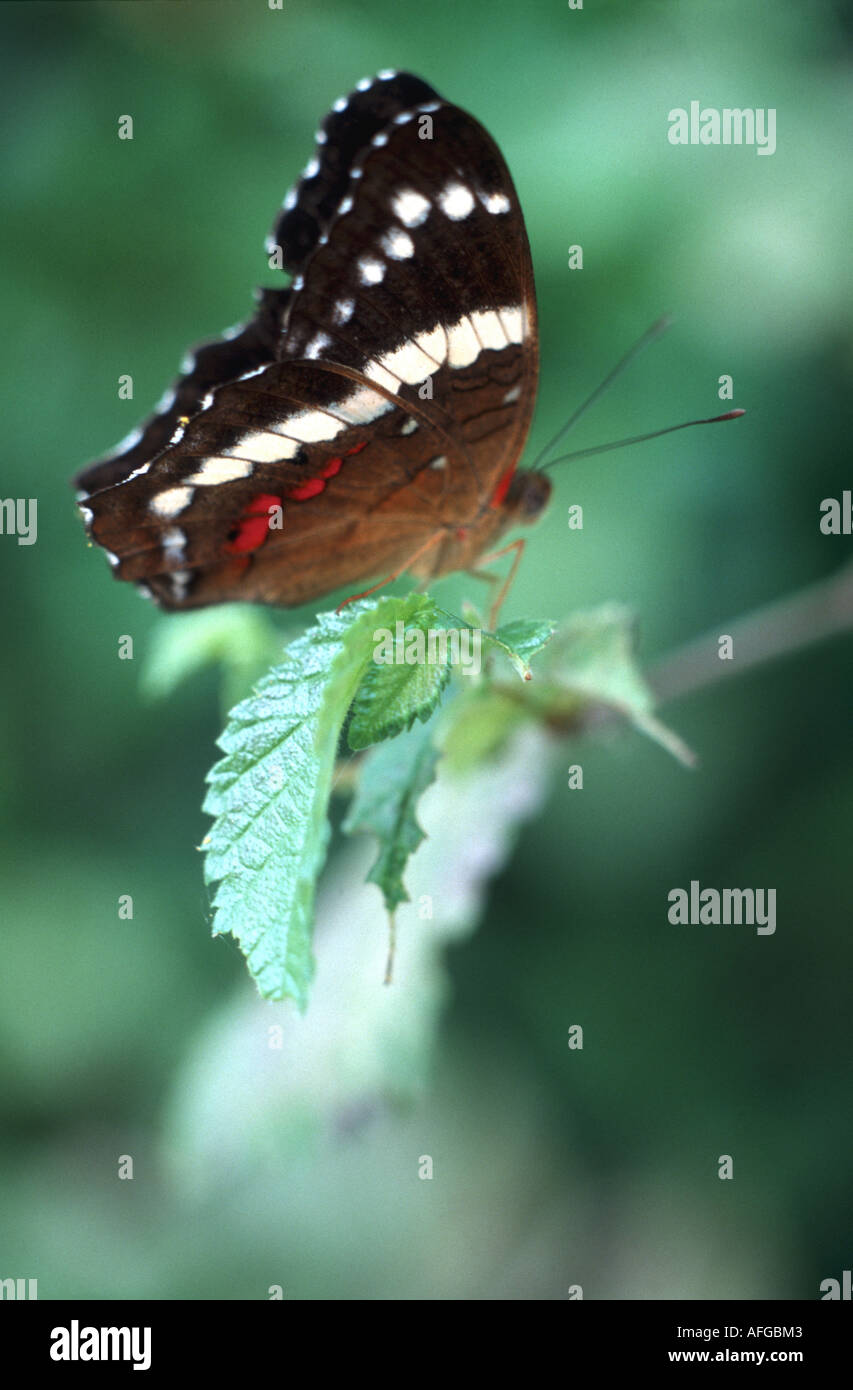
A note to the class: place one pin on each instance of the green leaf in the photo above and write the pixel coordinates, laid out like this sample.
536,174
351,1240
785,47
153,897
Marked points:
270,793
521,640
393,694
593,661
479,722
393,777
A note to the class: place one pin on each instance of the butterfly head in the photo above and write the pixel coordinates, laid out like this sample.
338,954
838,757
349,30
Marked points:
527,496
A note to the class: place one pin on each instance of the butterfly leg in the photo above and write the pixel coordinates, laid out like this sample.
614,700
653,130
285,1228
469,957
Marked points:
479,573
389,578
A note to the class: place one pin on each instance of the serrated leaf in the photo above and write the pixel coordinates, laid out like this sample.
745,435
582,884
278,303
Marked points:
270,792
394,693
527,636
393,777
360,1046
521,640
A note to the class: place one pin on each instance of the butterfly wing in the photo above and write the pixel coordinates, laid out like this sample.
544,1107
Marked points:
374,408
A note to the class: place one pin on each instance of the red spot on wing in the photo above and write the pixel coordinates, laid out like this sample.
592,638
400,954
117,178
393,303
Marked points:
253,526
332,467
314,486
303,491
502,488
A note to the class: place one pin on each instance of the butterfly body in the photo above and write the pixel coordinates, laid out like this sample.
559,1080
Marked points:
371,415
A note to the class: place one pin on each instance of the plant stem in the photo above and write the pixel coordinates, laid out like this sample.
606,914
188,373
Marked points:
779,629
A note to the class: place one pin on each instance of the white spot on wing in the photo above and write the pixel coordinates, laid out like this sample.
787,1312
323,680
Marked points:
409,362
179,583
286,447
410,207
409,425
513,322
495,202
137,472
398,244
341,104
489,329
345,206
363,406
386,74
364,84
456,201
434,344
512,396
174,541
166,401
129,442
318,344
380,139
463,345
343,310
171,502
219,469
371,272
377,372
438,463
312,425
312,169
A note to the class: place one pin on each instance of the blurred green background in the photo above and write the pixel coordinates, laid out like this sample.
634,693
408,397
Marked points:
552,1167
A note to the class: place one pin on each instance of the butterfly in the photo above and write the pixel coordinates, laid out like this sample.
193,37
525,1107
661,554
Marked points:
370,417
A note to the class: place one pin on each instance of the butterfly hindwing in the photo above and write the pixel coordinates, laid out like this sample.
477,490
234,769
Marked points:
245,505
240,350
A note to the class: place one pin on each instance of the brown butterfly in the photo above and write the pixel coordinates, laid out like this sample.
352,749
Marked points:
370,418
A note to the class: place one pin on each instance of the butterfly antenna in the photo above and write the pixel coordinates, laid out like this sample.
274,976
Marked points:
640,438
650,336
